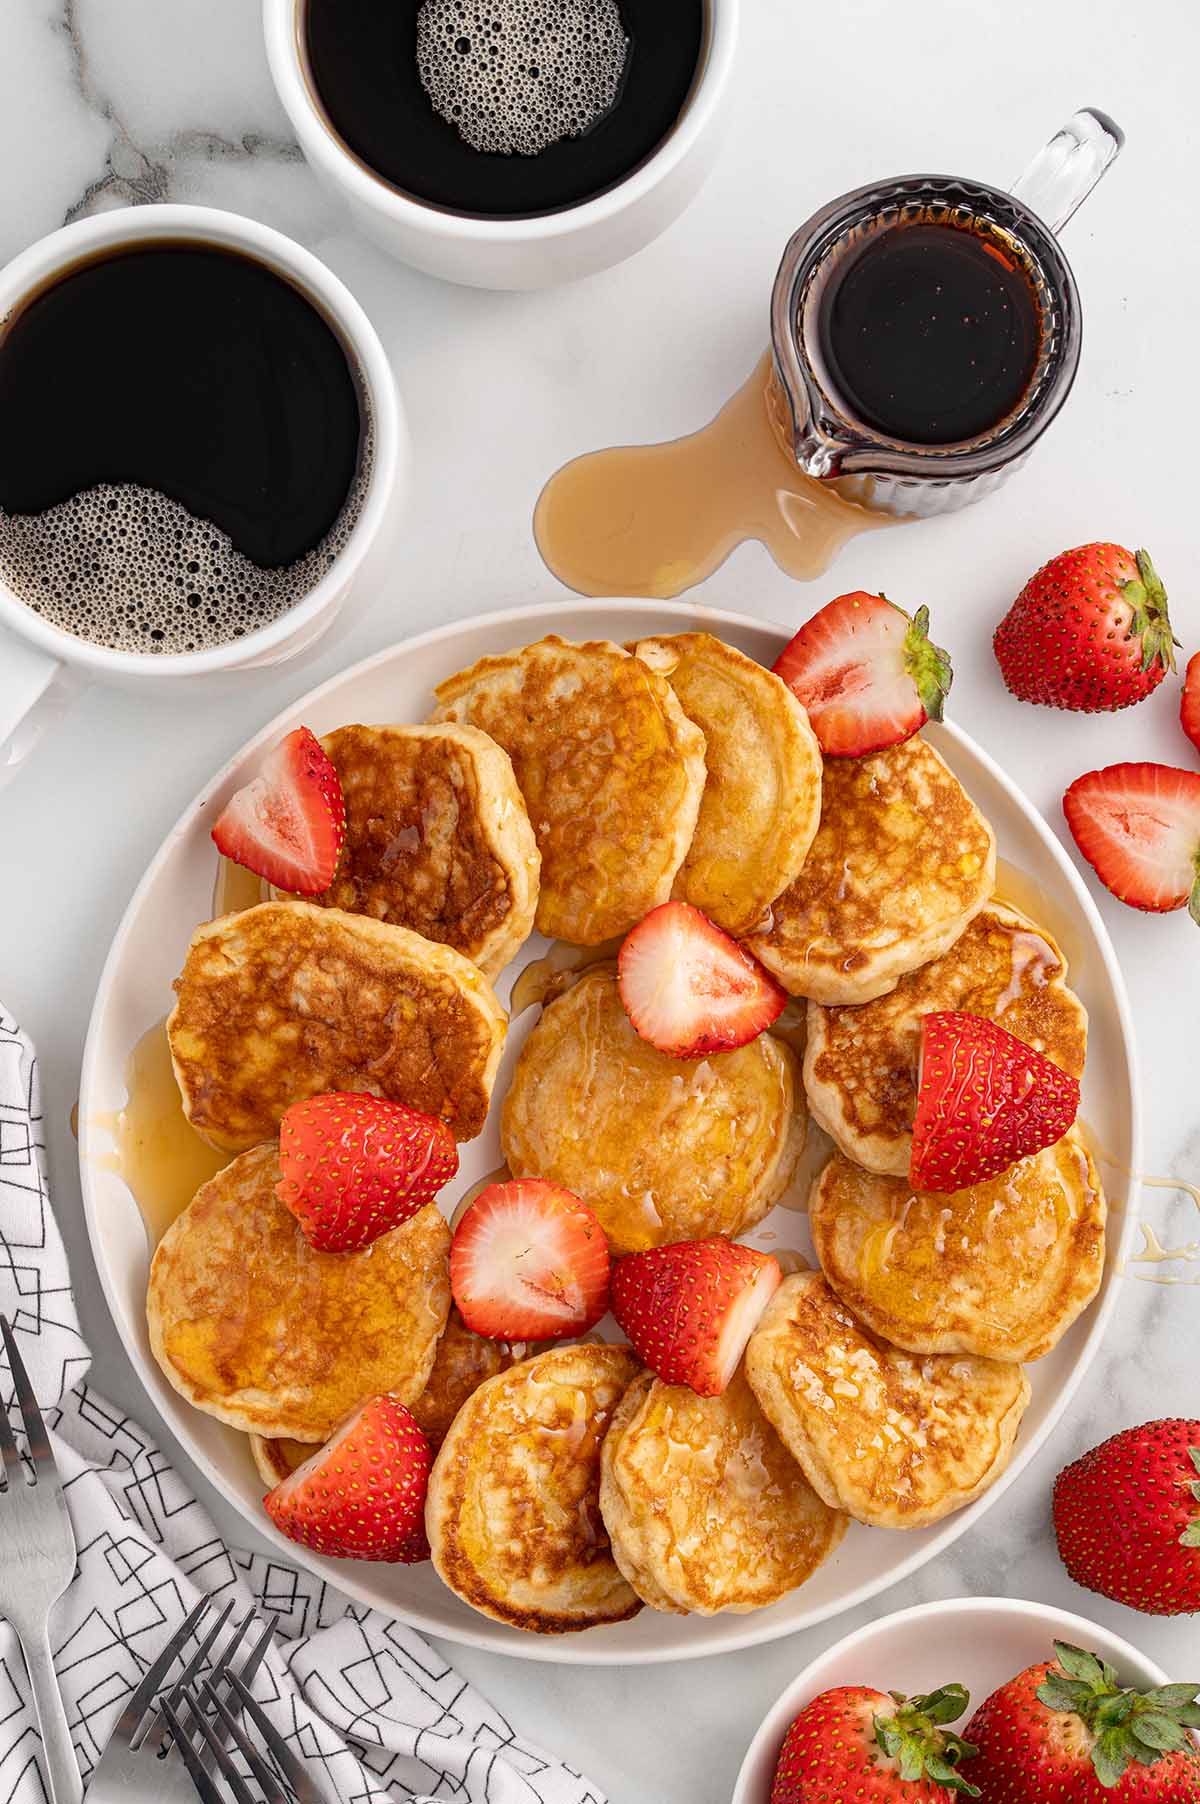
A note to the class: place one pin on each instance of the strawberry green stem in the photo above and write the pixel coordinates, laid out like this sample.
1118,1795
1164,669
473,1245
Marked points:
1127,1725
915,1737
928,665
1151,621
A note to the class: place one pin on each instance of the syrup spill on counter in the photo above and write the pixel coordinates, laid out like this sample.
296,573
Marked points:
156,1150
655,519
236,889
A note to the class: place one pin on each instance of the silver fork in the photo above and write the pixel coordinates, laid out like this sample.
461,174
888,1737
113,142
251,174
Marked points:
296,1786
38,1564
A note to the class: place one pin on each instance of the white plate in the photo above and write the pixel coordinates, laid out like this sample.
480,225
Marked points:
980,1642
135,991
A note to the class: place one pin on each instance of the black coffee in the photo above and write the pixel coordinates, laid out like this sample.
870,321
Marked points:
930,332
503,107
183,446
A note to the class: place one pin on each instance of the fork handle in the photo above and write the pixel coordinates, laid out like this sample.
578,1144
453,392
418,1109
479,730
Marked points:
62,1769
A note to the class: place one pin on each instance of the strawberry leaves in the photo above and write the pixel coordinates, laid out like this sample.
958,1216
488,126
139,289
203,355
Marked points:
927,664
915,1737
1151,622
1128,1725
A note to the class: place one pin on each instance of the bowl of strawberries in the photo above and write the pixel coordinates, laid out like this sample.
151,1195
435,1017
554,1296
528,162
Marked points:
990,1698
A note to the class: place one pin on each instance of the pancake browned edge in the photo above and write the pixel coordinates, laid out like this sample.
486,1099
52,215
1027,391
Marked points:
762,789
705,1507
286,1001
437,838
513,1510
895,1440
611,770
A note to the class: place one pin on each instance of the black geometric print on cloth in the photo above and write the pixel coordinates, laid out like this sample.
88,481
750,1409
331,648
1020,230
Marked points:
375,1710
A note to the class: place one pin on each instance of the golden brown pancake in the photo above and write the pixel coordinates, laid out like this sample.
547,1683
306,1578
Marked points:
253,1325
894,1440
902,861
762,788
860,1064
705,1507
513,1511
611,770
437,838
285,1001
1000,1269
661,1149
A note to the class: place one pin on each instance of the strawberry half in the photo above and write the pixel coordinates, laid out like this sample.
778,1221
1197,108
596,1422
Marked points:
689,1308
984,1100
867,673
1189,707
288,823
529,1261
1089,631
852,1743
691,990
1138,826
354,1167
362,1496
1127,1518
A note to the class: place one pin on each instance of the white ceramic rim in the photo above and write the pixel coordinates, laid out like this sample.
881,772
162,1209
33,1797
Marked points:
1060,1623
40,262
741,1630
320,142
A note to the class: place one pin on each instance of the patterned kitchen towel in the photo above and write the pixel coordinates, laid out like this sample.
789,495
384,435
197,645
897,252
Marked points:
377,1713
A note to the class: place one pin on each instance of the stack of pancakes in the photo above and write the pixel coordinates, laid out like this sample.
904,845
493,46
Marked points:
575,787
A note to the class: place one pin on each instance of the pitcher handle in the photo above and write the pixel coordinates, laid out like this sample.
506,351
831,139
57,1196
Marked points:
1064,172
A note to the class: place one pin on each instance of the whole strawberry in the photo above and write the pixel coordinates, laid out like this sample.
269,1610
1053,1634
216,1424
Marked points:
1089,632
354,1167
1065,1732
1127,1517
855,1743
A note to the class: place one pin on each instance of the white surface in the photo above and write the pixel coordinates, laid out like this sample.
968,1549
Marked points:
135,991
977,1644
177,103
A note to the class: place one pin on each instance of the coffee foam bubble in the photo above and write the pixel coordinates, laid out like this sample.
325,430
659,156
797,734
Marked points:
515,76
130,569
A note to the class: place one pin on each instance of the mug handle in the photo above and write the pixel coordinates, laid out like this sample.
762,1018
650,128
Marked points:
1064,172
31,681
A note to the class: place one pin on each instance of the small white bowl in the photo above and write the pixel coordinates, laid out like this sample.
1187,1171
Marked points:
977,1641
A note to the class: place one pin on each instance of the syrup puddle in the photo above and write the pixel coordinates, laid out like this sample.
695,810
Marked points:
654,520
545,978
236,889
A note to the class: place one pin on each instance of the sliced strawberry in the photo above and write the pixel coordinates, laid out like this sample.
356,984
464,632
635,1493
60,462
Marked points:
984,1100
689,1308
1189,708
1138,826
353,1167
691,990
529,1261
362,1496
288,823
867,673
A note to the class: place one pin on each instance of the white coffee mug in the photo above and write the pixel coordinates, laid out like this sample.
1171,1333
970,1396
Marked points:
533,252
39,663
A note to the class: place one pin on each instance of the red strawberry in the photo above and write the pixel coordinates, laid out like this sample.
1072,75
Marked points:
689,1308
1064,1732
1127,1517
1189,707
1138,826
867,673
855,1744
984,1100
529,1261
362,1496
288,823
353,1167
1090,631
691,990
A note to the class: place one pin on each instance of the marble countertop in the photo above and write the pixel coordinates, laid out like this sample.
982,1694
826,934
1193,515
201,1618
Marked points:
105,102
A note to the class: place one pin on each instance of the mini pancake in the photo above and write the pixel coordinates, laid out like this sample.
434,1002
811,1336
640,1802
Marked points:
901,863
1000,1269
611,770
513,1510
762,791
253,1325
705,1507
860,1064
894,1440
437,838
661,1149
285,1000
